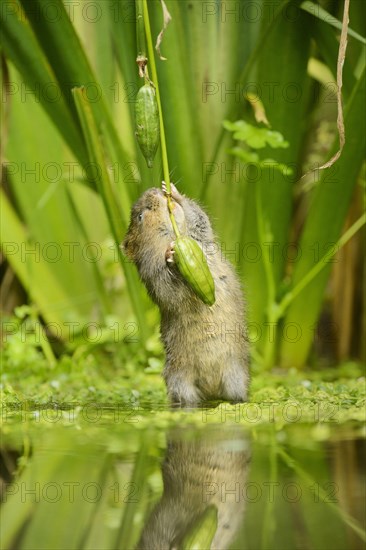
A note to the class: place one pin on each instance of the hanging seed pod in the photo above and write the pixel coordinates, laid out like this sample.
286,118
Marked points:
193,267
201,535
147,122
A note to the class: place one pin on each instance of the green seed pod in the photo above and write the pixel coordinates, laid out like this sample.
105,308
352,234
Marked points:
193,267
147,122
201,535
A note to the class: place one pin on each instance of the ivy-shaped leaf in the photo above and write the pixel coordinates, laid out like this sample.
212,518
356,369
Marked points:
255,137
250,157
245,156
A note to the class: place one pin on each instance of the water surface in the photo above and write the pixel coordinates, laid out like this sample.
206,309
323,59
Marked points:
78,479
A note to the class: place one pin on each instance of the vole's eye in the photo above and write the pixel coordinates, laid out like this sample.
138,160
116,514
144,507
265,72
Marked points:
140,216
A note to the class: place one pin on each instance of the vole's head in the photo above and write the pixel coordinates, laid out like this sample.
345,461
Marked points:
150,226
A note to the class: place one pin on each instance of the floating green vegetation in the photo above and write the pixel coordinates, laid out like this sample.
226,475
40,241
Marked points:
103,380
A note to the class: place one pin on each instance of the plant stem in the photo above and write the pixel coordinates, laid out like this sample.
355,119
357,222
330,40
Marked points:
277,310
103,184
285,302
269,524
154,74
125,533
44,343
268,352
308,480
140,30
164,153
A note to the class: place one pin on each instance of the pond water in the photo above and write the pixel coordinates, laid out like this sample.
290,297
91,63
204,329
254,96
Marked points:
77,480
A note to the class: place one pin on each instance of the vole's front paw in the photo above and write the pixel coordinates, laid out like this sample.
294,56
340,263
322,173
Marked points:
169,254
173,191
163,187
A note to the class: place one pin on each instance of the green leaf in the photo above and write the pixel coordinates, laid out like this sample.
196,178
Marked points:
35,274
21,46
253,158
317,11
103,183
62,47
323,227
255,137
245,156
285,85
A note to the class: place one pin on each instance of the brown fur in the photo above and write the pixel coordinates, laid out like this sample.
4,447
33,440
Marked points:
206,349
211,469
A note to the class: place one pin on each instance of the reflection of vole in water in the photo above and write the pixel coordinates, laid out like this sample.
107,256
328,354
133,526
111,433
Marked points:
206,350
211,470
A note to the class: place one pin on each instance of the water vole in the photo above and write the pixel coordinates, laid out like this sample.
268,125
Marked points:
209,469
206,348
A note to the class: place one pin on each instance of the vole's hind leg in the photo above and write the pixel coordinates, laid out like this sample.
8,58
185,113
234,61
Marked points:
234,383
181,392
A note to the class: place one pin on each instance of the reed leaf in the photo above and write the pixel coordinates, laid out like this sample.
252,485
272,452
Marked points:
37,277
282,70
21,45
97,158
323,227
